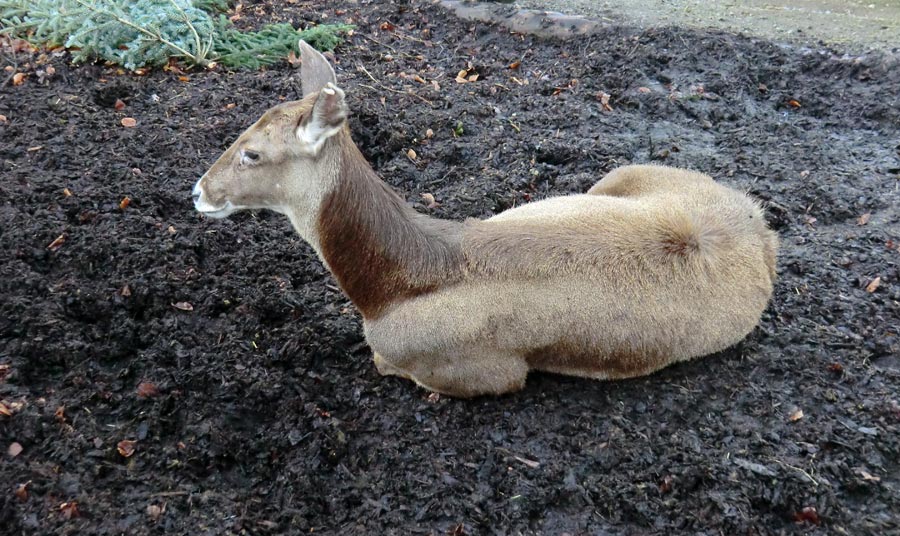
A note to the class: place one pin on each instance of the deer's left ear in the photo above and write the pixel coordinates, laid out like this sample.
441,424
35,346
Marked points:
326,119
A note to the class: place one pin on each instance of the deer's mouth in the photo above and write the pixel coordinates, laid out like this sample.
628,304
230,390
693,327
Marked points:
203,206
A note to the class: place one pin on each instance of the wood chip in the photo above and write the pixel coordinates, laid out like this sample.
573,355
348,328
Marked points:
796,415
873,285
57,243
129,122
126,447
123,204
183,306
18,79
864,219
14,449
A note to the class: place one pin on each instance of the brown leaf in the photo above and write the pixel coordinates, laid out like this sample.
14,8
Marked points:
293,59
643,89
155,511
419,79
120,105
796,415
411,154
183,306
129,122
837,368
429,201
21,492
603,97
5,410
387,27
18,79
60,414
873,285
666,485
429,133
126,291
183,78
14,449
69,509
864,219
3,119
126,447
515,65
794,103
868,476
57,243
807,514
433,397
123,204
4,371
147,390
67,192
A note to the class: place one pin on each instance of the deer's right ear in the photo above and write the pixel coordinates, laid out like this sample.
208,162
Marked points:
315,71
326,118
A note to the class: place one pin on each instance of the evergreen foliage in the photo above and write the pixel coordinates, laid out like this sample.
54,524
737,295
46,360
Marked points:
148,32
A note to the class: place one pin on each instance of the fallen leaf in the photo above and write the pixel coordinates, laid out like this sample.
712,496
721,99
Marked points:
155,511
515,65
3,119
434,397
796,415
183,306
21,492
807,514
868,476
864,219
123,204
14,449
873,286
429,133
666,485
5,410
763,88
643,89
57,243
429,200
183,78
411,154
419,79
147,390
126,291
69,509
60,414
461,77
603,97
126,447
837,368
129,122
387,27
293,60
18,79
794,103
120,105
67,192
141,71
4,371
171,229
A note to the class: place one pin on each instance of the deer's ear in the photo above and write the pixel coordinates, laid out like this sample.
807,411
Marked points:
326,119
315,71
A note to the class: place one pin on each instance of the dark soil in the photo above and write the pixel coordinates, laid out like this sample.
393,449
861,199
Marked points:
260,411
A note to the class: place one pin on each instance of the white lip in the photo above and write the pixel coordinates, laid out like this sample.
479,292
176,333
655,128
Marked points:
203,206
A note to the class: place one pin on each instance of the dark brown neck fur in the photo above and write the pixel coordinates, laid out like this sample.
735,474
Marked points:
378,248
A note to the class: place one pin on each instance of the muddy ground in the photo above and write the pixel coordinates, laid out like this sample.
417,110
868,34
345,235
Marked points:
259,410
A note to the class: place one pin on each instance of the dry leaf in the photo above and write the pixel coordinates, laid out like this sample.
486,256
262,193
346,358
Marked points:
120,105
473,77
126,447
419,79
864,219
433,397
643,89
666,485
603,97
873,286
69,509
411,154
5,410
126,291
129,122
796,415
14,449
147,390
387,26
794,103
57,243
123,204
868,476
21,492
155,511
3,118
183,306
429,201
515,65
461,76
60,414
18,79
171,229
293,60
429,133
183,78
807,514
67,192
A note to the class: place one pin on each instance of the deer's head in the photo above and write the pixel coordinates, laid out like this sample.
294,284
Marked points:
289,159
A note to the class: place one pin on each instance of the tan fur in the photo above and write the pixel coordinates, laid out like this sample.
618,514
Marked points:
652,266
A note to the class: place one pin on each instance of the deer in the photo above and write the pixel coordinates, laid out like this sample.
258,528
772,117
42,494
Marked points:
651,266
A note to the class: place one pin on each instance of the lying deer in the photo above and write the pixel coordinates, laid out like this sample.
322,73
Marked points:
654,265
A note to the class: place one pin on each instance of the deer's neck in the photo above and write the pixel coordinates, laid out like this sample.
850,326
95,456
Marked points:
378,248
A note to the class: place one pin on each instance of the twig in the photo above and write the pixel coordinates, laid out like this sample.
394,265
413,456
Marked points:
799,469
382,86
376,41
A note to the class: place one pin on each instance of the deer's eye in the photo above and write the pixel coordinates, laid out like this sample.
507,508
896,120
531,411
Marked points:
248,158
